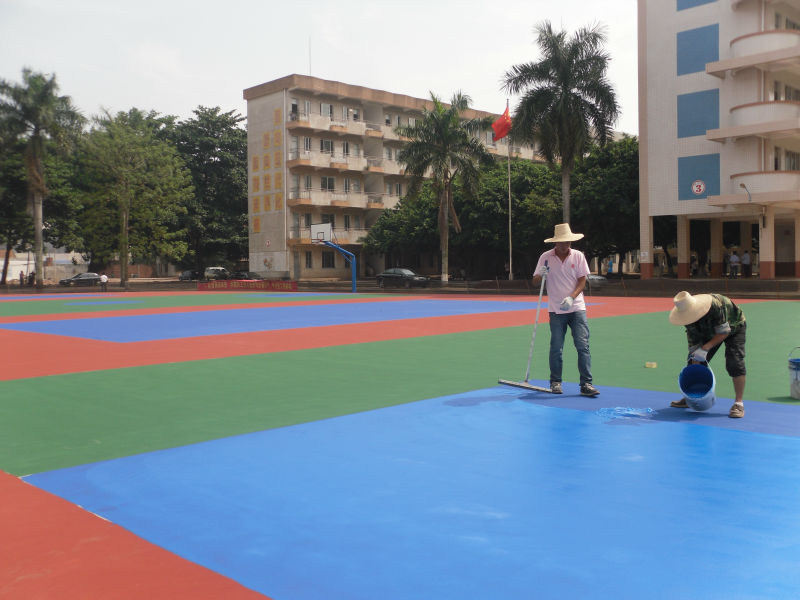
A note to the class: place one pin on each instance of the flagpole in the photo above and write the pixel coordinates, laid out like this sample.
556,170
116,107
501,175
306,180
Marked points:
510,258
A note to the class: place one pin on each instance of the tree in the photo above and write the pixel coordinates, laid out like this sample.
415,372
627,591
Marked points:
214,148
606,198
444,147
16,227
35,112
139,180
567,100
534,200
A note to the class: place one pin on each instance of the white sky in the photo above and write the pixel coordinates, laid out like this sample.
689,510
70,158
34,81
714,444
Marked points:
173,55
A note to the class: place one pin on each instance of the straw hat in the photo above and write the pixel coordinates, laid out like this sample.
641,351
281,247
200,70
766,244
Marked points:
688,308
564,234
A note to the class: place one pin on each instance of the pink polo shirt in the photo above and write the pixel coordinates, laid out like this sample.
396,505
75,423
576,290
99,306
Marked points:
563,277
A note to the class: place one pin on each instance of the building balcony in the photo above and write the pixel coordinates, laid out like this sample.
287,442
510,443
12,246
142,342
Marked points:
772,50
768,120
373,130
374,164
327,198
319,122
759,188
326,161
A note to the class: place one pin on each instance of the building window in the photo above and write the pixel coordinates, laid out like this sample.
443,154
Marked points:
346,185
255,163
792,24
778,21
329,218
307,144
328,183
308,182
777,161
328,260
387,119
398,189
776,90
309,263
307,220
355,114
357,221
294,145
326,146
355,185
326,110
267,182
387,152
347,222
791,93
412,121
266,161
792,160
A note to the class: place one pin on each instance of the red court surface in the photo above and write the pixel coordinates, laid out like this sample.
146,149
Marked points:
53,550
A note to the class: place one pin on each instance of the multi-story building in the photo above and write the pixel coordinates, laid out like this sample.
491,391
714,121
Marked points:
719,127
325,152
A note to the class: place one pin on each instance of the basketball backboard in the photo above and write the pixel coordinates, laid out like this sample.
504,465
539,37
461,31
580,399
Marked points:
321,232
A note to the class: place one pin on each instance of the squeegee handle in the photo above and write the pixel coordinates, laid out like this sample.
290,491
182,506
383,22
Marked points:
535,324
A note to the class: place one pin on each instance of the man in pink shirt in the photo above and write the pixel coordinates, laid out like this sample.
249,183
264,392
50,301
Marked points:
566,270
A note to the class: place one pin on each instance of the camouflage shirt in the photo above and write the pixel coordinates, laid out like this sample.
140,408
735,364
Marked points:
722,317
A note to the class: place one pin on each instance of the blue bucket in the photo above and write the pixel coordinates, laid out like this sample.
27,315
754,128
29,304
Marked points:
794,375
697,383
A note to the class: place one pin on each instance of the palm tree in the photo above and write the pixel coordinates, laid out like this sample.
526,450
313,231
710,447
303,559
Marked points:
567,101
36,113
444,146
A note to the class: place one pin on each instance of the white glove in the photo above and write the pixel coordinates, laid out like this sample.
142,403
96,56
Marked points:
541,271
699,355
566,303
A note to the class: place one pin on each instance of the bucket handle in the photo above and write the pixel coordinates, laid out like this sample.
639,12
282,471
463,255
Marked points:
792,351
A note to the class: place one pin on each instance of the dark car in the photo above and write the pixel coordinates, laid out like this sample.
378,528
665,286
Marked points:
401,278
246,275
189,275
81,279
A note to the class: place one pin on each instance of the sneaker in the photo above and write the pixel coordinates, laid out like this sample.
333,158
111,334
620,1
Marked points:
587,389
555,387
679,403
737,411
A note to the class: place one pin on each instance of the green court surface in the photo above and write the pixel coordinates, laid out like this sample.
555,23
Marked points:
57,421
78,303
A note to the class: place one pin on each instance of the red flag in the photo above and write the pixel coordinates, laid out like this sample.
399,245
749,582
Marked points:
502,125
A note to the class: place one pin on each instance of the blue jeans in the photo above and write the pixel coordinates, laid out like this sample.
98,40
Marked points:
580,336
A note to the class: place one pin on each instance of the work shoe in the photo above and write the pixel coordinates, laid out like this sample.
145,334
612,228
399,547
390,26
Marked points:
587,389
679,403
555,387
737,411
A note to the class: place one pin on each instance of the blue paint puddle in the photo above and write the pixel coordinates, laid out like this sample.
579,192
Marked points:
625,412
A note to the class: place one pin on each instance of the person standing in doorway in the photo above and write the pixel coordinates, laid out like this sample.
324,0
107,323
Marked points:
747,264
566,270
735,265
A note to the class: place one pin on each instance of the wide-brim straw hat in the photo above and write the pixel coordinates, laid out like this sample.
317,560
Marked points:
688,308
564,234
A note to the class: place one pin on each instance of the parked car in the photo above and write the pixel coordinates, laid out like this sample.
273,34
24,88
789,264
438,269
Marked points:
401,277
216,273
189,275
246,275
81,279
